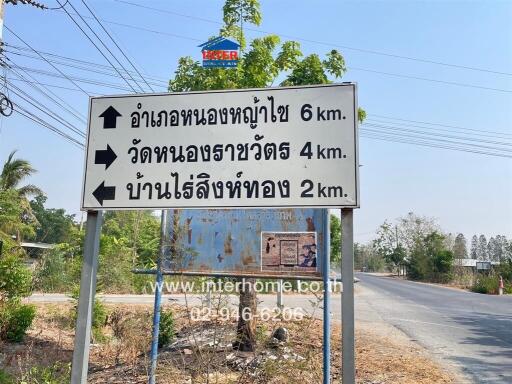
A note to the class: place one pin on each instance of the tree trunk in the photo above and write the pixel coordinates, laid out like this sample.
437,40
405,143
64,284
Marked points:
246,328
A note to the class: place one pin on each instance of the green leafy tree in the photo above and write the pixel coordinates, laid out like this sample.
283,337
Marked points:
54,225
335,230
14,172
262,62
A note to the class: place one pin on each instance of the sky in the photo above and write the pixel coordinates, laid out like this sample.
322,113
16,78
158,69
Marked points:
466,192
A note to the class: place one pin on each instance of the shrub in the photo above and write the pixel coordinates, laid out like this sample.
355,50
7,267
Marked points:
15,319
99,315
167,330
486,284
5,378
57,373
15,277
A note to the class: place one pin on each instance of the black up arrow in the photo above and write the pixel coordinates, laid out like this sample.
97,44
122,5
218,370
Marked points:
110,116
104,193
105,157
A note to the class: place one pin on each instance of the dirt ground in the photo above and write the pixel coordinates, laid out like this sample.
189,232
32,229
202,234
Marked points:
202,352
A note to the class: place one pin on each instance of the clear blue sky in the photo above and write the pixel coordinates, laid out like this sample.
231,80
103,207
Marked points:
466,192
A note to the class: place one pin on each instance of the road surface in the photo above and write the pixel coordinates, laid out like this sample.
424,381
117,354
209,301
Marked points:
467,330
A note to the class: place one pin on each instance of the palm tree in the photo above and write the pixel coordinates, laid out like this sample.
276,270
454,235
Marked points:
14,172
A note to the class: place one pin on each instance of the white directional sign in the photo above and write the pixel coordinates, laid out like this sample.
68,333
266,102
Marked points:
251,148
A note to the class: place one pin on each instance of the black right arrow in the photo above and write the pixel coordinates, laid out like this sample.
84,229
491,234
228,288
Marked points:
105,157
104,193
110,116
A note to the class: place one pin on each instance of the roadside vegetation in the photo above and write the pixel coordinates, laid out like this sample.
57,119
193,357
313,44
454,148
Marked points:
417,248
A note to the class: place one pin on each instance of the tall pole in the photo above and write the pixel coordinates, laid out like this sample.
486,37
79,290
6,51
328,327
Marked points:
347,301
86,299
326,269
164,244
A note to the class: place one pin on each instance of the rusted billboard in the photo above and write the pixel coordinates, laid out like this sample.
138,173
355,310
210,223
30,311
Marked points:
288,243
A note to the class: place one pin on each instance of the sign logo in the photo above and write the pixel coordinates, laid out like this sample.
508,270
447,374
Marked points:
220,53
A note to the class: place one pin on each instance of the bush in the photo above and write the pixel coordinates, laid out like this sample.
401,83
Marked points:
167,330
15,319
99,315
15,277
486,284
5,378
57,373
57,271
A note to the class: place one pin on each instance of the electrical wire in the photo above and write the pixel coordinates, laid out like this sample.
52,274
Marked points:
439,124
29,115
369,51
93,43
428,144
66,106
90,66
36,104
54,67
115,43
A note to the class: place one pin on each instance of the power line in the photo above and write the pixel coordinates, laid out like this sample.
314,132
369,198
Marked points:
459,84
29,115
429,144
369,51
431,80
93,69
79,79
75,63
29,99
93,43
54,67
439,124
35,84
437,140
118,47
422,132
88,65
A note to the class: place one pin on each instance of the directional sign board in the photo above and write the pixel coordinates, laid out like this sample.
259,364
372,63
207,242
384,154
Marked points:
251,148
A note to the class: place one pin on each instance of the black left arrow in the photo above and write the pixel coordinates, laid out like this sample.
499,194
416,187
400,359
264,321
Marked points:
104,193
110,116
106,157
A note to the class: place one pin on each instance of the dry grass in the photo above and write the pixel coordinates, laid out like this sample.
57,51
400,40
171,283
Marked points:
122,357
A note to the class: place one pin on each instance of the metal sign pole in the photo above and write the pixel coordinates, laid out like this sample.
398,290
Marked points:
158,297
327,300
347,297
86,298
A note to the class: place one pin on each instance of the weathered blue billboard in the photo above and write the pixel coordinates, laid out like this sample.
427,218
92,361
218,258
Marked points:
288,243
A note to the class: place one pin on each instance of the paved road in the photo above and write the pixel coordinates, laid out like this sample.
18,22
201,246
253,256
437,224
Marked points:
468,330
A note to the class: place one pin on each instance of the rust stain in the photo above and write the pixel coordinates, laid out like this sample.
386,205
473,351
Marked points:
228,247
189,230
311,224
246,256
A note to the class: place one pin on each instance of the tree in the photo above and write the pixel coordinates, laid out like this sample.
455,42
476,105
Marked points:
260,65
459,247
335,239
14,171
54,225
388,246
430,260
481,250
474,247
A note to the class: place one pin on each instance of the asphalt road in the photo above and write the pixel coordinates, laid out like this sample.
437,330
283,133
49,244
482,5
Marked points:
470,331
